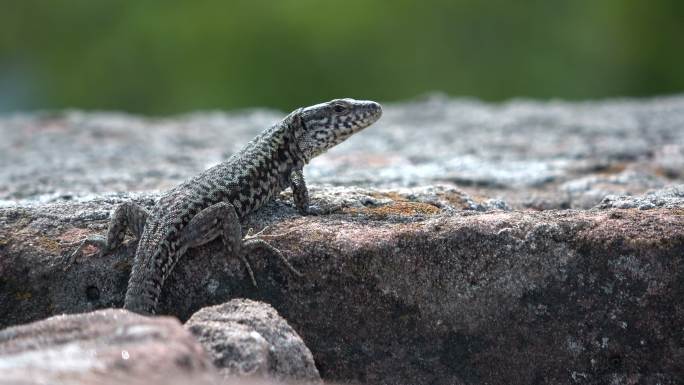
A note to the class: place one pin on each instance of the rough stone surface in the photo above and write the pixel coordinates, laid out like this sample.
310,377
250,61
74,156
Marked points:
249,339
36,239
103,347
672,198
406,291
464,243
523,152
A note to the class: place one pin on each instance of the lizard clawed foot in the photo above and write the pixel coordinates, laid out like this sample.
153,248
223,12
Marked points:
253,243
260,234
95,240
249,234
315,210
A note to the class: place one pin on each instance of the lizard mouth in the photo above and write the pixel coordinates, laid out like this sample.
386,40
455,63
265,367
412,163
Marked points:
372,114
376,112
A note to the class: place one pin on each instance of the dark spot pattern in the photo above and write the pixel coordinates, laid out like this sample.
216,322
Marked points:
247,180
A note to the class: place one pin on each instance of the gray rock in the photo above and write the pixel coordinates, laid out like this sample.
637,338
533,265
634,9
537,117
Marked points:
443,256
521,152
35,240
103,347
249,339
671,198
399,290
587,192
670,159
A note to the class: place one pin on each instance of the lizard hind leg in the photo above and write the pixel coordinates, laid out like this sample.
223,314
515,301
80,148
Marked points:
254,242
221,220
127,216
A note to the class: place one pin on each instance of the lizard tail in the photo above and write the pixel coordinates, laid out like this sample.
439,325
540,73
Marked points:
144,289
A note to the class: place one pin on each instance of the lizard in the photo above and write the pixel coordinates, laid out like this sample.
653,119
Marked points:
212,204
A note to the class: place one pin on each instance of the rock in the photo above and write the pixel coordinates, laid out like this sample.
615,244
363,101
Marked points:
671,197
462,242
670,158
521,152
103,347
587,192
249,339
402,289
36,239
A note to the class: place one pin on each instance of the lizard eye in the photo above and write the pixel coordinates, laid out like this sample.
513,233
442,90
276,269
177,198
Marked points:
339,108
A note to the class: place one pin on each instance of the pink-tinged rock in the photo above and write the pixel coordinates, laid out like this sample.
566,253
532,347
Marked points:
109,346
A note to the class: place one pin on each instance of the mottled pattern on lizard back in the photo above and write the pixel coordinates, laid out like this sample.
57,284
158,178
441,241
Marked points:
247,180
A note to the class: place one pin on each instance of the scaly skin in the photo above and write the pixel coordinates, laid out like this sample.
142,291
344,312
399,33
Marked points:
211,204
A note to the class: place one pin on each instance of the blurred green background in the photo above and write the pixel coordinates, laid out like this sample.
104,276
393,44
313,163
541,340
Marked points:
161,57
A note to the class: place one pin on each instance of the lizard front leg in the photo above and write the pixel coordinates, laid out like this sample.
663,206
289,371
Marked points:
301,194
127,216
221,220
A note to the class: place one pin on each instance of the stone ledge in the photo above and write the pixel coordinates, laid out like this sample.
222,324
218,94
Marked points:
405,286
557,259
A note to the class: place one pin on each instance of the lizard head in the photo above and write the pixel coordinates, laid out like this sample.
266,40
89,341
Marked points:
328,124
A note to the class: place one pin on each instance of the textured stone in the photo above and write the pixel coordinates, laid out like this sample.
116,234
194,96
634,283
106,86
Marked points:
463,242
35,240
402,290
671,197
249,339
103,347
521,151
587,192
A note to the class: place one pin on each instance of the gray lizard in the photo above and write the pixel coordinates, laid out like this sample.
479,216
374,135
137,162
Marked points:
211,204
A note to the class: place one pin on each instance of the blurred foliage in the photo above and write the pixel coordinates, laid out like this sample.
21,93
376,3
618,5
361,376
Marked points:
173,56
